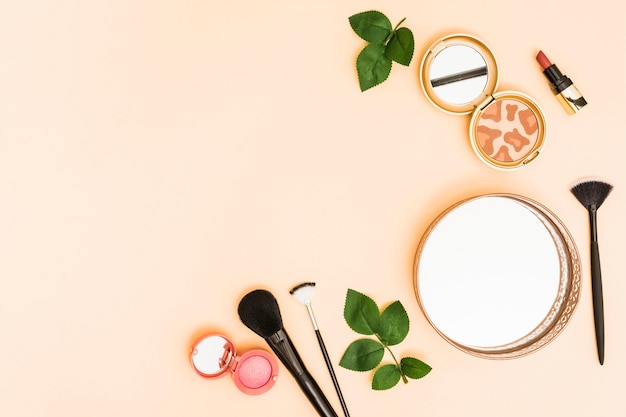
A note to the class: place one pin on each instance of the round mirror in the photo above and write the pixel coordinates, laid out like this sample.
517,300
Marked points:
212,355
493,274
458,74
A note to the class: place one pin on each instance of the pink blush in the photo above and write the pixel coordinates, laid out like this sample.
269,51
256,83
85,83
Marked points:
254,372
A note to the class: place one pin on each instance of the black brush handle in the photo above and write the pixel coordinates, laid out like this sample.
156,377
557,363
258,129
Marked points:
329,365
596,285
315,395
285,350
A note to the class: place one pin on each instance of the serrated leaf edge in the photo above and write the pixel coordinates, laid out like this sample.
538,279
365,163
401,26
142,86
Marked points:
368,11
388,365
430,368
408,320
344,314
350,346
394,34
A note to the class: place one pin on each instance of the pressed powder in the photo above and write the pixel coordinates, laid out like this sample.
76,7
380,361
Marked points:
459,75
506,130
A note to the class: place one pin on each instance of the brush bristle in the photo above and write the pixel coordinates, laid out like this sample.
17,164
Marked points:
259,311
303,292
591,192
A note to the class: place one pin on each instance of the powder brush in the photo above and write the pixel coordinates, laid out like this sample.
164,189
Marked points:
591,194
259,311
304,293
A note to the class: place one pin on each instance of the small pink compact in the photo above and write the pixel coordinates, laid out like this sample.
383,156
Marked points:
254,372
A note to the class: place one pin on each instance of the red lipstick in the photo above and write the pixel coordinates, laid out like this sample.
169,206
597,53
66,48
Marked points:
562,86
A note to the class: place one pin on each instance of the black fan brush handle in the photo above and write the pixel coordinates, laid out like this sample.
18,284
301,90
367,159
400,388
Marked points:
596,283
329,365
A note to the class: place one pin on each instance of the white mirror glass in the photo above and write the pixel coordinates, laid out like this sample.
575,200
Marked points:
212,355
488,272
458,74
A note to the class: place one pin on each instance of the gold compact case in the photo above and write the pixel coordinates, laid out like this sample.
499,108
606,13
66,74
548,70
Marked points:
459,75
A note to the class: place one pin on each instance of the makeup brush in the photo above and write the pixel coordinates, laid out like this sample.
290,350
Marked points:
304,293
259,311
591,194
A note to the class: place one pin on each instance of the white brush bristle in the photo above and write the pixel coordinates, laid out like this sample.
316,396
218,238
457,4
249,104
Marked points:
304,292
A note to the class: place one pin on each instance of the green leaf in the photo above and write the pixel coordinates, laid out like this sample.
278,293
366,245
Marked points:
414,368
372,66
387,376
372,26
401,46
362,355
361,313
394,324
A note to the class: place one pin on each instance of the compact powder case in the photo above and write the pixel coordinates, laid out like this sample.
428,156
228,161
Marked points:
459,75
254,372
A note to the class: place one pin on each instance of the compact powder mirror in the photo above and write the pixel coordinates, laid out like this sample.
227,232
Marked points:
254,372
498,276
459,75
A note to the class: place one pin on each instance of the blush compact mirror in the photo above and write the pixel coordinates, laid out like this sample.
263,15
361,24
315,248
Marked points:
497,276
459,75
254,372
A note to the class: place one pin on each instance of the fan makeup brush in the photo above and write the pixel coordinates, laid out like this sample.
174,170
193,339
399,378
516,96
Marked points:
304,293
591,194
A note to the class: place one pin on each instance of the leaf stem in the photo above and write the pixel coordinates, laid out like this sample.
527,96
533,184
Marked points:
393,32
404,378
399,23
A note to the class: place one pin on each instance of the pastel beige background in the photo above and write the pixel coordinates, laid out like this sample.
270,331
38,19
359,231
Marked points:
158,159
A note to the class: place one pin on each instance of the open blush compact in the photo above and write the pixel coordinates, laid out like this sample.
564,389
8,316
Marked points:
459,75
254,372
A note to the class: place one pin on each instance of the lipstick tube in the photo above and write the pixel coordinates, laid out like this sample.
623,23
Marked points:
562,86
